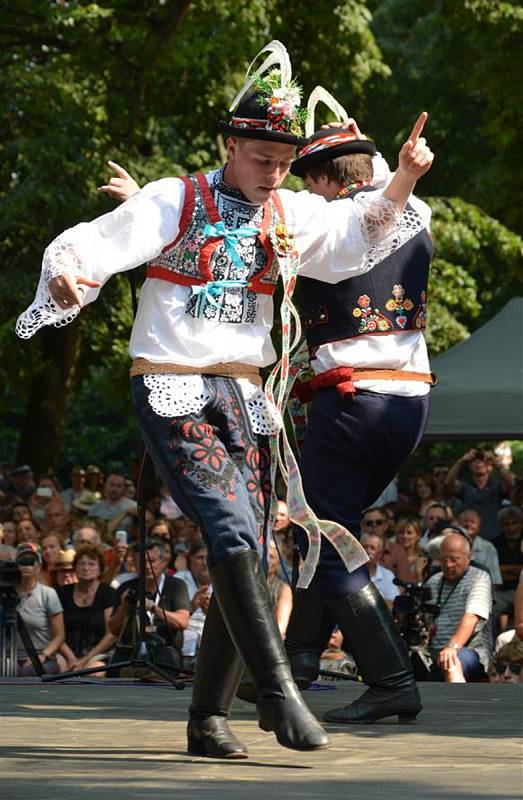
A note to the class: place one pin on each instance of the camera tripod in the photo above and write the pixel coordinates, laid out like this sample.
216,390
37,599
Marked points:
140,657
12,623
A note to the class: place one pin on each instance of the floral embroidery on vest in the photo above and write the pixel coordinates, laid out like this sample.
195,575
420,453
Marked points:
400,305
371,320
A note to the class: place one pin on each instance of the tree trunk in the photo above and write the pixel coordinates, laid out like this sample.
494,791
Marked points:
46,410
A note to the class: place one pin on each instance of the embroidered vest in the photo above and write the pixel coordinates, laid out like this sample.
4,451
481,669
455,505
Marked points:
190,259
389,298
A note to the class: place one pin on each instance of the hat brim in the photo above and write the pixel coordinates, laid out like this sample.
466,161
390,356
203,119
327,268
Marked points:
261,134
301,166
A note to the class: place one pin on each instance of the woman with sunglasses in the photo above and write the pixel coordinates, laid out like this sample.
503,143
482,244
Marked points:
41,611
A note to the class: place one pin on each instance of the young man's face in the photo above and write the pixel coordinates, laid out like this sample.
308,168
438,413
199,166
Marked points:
257,167
323,186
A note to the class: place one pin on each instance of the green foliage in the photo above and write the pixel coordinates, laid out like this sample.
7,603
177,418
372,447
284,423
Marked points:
145,83
478,267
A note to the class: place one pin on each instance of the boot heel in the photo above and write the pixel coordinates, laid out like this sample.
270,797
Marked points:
407,718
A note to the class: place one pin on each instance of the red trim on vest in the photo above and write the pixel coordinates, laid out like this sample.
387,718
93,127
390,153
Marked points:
204,261
187,212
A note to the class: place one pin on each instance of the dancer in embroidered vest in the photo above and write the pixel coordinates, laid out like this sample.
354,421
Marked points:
369,409
213,244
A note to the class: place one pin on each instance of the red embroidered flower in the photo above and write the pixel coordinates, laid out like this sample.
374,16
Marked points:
364,300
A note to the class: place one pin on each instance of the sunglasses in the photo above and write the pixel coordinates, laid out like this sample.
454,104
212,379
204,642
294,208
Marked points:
373,522
28,561
514,667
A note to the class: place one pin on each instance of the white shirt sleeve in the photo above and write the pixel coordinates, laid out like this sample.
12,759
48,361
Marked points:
132,234
342,239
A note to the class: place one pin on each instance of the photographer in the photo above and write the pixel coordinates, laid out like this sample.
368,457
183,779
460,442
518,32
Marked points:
483,493
167,606
460,644
41,610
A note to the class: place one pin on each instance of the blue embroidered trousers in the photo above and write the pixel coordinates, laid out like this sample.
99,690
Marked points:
216,469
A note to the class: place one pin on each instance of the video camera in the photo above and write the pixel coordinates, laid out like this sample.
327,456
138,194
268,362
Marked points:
414,615
9,579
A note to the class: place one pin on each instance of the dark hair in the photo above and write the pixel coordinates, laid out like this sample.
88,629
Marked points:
344,169
196,546
91,551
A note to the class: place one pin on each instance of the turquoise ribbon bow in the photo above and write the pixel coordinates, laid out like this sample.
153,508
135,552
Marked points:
210,292
231,238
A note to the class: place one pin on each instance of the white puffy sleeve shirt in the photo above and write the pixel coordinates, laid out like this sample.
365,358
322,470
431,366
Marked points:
331,238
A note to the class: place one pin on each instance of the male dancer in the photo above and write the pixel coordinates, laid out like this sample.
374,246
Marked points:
206,310
369,410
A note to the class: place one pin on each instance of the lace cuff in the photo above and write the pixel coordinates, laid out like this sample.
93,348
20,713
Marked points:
383,227
59,259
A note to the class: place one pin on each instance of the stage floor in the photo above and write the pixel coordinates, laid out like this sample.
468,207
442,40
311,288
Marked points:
96,741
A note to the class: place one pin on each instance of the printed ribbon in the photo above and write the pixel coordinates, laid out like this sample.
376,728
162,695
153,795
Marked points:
210,292
231,239
277,390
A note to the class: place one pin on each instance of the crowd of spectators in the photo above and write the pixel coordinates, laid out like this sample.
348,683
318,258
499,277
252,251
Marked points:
457,528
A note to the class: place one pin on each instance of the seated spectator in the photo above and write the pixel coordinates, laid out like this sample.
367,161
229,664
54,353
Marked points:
63,569
509,547
88,605
198,582
44,493
58,520
483,552
87,534
51,545
20,511
508,663
436,513
283,532
439,473
381,577
482,493
114,501
130,489
423,494
94,479
168,607
81,505
20,482
9,532
75,490
41,611
279,590
461,646
393,557
27,530
408,536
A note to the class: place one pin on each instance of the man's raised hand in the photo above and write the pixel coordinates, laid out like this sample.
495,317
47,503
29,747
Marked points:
415,158
122,187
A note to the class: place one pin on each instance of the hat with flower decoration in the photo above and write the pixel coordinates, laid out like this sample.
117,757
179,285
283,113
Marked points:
328,143
268,104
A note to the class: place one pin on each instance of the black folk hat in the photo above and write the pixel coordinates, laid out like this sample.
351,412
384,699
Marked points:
328,143
267,107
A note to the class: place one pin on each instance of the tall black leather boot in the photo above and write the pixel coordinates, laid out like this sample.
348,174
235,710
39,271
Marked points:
382,658
218,670
308,633
241,590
